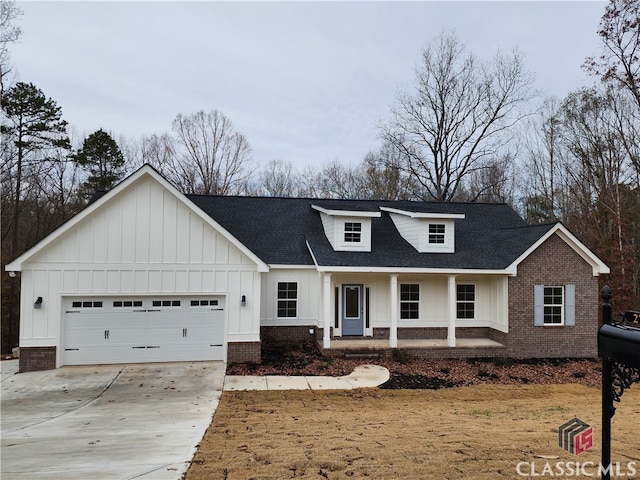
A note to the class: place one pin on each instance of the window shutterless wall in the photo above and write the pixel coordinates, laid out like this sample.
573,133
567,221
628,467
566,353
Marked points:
308,297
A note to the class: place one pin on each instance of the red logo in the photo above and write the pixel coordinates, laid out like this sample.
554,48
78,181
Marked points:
575,436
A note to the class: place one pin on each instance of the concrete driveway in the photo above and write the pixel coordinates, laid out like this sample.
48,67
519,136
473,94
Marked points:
111,422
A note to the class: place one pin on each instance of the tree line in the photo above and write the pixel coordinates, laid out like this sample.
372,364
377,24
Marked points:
464,130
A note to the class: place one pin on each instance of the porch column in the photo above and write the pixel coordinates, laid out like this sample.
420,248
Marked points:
393,300
326,310
451,331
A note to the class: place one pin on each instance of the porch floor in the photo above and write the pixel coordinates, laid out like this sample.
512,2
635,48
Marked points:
380,344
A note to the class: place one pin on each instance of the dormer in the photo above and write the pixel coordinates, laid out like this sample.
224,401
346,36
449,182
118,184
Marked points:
347,230
426,232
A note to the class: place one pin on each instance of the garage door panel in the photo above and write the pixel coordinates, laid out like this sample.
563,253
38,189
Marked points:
172,331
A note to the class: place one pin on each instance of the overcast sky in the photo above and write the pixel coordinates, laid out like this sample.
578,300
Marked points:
305,82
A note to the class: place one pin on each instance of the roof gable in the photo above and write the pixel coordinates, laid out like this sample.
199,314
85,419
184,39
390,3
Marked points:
134,181
597,265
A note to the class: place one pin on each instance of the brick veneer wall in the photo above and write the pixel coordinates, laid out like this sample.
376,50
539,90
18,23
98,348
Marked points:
430,333
298,333
243,352
554,263
33,359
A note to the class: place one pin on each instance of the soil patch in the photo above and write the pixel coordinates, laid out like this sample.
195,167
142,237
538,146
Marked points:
472,433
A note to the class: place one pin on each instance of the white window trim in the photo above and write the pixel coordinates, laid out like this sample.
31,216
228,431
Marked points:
278,300
475,301
355,232
562,306
440,235
400,301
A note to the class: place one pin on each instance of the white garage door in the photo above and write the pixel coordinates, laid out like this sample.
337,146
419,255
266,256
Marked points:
130,330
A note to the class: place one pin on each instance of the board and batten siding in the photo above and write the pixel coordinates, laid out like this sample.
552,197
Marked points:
143,241
309,283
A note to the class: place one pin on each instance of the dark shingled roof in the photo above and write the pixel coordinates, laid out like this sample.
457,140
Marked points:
490,237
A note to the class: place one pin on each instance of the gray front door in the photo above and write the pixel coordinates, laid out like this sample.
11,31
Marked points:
352,317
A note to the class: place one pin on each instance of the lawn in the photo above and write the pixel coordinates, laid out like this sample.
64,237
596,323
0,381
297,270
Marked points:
474,432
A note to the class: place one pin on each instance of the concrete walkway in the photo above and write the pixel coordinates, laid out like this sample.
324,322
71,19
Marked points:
362,376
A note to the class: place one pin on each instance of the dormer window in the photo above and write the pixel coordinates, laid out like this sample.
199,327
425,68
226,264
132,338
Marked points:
436,233
427,232
347,229
352,232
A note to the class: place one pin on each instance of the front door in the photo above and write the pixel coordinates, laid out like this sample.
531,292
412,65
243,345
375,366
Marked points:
352,314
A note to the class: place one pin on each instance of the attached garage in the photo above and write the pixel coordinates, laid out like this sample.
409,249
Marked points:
141,275
157,329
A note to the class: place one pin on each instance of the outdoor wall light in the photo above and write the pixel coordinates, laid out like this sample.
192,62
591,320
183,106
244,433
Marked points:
38,304
243,301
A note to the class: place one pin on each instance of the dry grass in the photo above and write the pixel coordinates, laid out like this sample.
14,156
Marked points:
478,432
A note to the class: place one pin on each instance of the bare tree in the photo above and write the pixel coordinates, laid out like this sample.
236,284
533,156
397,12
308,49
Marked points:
603,185
382,175
9,33
279,179
210,157
495,182
159,151
543,167
457,115
619,62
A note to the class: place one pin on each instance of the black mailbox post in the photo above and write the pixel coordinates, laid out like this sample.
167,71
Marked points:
619,348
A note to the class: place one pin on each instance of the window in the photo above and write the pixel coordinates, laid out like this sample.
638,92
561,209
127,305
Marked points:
287,299
553,305
465,301
86,304
203,303
409,301
436,233
352,232
166,303
127,303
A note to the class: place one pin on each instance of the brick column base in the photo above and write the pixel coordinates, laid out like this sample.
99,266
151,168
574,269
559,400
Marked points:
243,352
33,359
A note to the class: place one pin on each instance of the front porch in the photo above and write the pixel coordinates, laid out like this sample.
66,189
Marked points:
413,348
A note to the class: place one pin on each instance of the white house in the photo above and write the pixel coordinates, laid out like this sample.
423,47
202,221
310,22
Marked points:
147,274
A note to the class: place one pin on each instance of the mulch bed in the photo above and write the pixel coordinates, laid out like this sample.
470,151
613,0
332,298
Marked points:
306,359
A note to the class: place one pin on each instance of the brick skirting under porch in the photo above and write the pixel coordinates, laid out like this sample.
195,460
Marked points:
416,348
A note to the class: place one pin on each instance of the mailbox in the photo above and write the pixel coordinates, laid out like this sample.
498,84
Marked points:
619,348
619,342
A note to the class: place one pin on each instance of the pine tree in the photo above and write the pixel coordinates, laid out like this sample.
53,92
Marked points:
101,157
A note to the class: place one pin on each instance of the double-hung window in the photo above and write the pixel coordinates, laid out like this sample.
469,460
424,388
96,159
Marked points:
436,233
465,301
553,305
287,299
409,301
352,232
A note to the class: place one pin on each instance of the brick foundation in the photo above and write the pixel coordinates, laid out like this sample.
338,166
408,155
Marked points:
243,352
437,333
33,359
436,353
289,334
